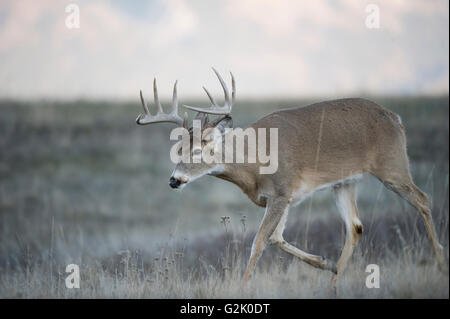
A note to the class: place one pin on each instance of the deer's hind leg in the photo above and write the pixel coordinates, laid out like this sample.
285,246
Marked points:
345,196
403,186
394,173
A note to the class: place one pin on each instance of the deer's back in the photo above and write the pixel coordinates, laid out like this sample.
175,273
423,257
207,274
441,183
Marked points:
336,138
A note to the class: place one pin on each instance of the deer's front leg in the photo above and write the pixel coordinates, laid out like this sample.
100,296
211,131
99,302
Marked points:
274,211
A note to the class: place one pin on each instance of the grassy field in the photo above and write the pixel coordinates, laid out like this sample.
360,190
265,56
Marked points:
81,183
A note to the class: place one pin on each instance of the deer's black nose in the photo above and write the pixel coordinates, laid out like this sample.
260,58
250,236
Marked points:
174,183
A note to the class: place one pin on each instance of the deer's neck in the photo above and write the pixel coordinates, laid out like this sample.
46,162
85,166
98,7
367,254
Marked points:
244,179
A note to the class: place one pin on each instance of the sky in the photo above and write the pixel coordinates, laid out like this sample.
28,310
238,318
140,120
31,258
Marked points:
274,48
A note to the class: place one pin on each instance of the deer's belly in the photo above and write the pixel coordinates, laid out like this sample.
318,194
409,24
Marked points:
307,189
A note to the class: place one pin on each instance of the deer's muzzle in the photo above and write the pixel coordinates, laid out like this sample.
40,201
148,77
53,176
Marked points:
174,183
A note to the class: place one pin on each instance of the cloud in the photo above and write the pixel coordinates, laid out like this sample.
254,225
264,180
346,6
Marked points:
274,48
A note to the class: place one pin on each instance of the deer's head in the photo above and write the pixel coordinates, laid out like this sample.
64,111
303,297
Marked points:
210,135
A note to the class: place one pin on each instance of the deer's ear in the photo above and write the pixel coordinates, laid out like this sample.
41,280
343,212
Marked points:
226,122
203,117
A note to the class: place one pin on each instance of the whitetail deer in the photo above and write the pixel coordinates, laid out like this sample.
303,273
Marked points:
327,144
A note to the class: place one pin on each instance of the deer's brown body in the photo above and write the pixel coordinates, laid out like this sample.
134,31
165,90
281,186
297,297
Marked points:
323,143
327,144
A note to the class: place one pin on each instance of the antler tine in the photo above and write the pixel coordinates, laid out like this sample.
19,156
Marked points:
213,102
224,87
160,116
155,95
144,105
185,120
233,90
175,99
215,108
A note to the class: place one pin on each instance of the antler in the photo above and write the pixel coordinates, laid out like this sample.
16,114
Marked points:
215,108
160,116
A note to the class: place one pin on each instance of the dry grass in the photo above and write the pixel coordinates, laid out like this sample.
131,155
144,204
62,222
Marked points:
411,273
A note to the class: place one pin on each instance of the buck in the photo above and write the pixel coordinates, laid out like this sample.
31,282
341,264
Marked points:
330,144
